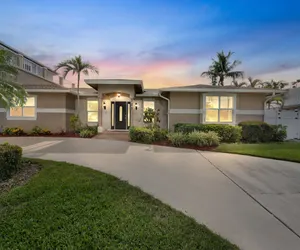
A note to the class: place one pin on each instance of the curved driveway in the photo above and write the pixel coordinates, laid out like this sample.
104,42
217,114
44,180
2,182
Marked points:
253,202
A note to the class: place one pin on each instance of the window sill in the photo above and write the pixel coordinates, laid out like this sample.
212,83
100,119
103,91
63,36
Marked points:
21,118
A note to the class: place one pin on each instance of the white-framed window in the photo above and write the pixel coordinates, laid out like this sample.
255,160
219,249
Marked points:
149,104
27,112
92,111
219,108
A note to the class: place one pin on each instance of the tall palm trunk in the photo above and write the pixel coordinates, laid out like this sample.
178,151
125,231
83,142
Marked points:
78,80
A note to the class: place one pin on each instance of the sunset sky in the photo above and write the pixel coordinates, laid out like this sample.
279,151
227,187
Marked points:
163,42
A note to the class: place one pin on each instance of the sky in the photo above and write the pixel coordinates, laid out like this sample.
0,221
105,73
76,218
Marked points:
162,42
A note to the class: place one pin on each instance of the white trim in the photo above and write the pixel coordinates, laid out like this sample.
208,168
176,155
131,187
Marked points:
250,112
186,111
223,90
57,111
219,95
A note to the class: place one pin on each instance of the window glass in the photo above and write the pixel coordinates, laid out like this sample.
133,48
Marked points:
16,112
149,104
92,116
226,115
212,102
226,102
28,110
30,102
93,105
212,115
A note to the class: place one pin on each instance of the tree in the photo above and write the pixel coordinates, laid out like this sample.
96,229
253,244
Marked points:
253,83
222,68
76,66
238,84
275,84
12,94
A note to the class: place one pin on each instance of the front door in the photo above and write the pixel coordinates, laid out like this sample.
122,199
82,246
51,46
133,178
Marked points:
121,115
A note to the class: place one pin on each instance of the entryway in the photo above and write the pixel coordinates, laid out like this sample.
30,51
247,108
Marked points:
120,115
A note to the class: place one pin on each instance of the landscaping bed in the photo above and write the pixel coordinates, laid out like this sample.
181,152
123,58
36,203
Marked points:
67,206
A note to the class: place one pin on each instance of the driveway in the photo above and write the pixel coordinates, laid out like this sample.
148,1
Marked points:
253,202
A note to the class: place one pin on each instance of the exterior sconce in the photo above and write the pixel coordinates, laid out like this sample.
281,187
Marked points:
104,106
136,106
118,95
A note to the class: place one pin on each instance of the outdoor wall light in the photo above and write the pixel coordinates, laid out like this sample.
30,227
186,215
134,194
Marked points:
104,105
136,106
118,95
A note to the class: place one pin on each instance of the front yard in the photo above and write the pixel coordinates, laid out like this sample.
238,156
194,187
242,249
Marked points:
289,151
66,206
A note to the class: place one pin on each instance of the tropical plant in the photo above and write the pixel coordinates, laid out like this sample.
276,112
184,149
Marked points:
295,83
238,84
77,66
12,94
275,84
253,83
222,68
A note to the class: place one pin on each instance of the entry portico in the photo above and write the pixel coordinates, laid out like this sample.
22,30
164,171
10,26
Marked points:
116,110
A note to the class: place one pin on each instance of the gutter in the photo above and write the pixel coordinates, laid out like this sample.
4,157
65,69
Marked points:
168,100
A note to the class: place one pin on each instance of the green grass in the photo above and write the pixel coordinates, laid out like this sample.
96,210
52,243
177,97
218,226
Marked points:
71,207
289,151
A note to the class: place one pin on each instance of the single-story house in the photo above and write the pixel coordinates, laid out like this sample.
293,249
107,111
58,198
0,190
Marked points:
117,104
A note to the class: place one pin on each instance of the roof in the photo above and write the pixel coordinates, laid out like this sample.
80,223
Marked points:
138,84
44,86
29,58
149,93
211,88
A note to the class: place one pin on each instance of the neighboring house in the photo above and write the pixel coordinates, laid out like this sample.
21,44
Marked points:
288,115
117,104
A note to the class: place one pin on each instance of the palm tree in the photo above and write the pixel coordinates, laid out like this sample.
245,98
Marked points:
253,83
275,84
238,84
12,94
222,68
76,66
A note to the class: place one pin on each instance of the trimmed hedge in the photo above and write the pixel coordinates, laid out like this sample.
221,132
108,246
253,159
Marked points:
140,134
227,133
10,160
255,132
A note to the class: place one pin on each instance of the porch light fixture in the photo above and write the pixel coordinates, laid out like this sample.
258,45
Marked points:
118,95
136,106
104,106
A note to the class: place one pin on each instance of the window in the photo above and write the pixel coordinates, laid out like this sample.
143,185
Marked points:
219,109
92,111
149,104
27,111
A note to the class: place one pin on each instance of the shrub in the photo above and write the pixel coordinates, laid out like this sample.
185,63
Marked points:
75,123
10,160
13,131
203,139
279,133
178,139
160,134
254,132
227,133
92,129
139,134
86,133
39,131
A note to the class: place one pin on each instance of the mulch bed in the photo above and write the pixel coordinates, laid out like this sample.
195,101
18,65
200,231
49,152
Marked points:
168,144
28,170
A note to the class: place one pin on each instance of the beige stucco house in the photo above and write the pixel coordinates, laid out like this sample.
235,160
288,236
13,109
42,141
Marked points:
117,104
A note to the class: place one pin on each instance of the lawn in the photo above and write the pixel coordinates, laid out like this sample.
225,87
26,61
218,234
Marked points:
66,206
289,151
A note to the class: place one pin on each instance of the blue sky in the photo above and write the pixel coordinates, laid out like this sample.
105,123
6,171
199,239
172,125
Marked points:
165,43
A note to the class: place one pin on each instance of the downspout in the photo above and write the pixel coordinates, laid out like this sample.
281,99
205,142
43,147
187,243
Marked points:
168,101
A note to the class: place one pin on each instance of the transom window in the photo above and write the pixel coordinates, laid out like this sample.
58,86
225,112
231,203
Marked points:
219,109
27,111
149,104
92,110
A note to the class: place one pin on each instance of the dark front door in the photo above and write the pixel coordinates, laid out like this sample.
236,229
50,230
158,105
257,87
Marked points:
121,115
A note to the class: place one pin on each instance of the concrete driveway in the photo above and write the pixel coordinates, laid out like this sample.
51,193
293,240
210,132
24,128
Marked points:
253,202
